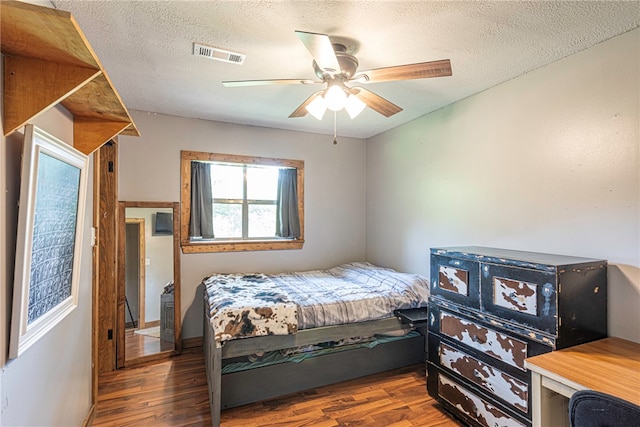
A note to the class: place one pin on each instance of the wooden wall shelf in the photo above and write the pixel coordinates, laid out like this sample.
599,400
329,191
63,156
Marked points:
48,61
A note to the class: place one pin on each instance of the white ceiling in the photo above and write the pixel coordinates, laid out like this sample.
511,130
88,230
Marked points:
146,48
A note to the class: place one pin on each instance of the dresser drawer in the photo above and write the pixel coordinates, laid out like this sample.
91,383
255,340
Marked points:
495,342
509,385
456,280
520,295
474,408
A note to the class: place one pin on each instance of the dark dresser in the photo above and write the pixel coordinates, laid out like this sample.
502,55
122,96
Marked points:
492,308
167,315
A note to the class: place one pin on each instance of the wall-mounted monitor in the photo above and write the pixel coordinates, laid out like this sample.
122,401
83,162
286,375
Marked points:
163,224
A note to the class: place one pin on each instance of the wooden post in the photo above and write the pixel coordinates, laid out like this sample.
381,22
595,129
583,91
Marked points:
107,227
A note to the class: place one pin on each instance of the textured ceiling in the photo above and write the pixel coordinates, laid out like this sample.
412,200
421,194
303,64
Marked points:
146,48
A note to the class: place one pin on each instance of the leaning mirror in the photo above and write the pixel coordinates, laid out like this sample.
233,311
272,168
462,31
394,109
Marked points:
148,281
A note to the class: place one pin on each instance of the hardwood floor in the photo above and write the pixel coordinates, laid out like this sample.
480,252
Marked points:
137,345
170,392
173,392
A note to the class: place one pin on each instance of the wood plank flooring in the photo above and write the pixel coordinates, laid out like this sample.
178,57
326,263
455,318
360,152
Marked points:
173,392
137,345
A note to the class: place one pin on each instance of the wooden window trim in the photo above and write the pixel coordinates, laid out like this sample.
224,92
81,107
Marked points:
188,246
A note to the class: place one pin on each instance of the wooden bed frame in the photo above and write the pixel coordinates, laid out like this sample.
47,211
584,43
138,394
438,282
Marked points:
235,389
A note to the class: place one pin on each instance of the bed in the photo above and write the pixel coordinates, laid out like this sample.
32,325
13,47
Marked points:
267,335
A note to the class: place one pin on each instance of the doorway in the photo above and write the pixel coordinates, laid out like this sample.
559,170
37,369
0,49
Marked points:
134,273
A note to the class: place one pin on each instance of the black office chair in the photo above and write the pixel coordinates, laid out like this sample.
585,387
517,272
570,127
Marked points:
588,408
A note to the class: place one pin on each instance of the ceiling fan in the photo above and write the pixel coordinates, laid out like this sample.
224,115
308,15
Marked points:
336,67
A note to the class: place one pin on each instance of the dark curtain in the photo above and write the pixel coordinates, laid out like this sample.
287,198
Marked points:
201,221
287,219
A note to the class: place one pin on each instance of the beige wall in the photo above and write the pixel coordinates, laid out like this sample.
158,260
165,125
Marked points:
546,162
50,384
149,170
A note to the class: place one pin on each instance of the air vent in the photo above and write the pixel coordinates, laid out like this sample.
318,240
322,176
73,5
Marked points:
217,54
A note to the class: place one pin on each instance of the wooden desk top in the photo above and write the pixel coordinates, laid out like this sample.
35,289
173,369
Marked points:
610,365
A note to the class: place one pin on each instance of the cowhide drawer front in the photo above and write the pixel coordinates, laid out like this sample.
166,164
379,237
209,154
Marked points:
521,295
500,344
510,386
477,336
456,280
472,407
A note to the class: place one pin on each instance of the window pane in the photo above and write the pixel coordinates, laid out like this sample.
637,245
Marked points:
227,220
226,181
262,183
229,180
262,220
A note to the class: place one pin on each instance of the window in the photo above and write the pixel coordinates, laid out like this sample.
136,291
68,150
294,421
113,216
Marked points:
244,200
240,203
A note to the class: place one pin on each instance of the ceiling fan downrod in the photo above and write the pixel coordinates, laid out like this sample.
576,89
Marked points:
347,62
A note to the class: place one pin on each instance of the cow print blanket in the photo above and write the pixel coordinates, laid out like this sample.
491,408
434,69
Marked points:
248,305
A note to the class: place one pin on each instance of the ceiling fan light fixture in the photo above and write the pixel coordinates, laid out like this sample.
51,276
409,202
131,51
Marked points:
317,107
354,106
335,98
335,66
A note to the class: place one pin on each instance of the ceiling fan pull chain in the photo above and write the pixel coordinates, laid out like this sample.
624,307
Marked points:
335,119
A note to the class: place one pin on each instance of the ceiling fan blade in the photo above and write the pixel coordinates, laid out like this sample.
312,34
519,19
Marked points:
270,82
420,70
375,102
320,47
301,111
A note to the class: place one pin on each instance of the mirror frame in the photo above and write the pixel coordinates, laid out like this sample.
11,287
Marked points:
121,360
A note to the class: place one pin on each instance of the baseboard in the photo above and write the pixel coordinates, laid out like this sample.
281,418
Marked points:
151,324
88,420
192,342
